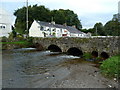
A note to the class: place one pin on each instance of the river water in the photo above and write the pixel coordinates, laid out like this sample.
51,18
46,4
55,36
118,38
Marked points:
26,68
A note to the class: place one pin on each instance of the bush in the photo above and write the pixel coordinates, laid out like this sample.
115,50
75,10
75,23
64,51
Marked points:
111,67
87,56
4,39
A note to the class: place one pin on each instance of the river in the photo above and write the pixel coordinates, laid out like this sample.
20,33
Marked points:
28,68
20,66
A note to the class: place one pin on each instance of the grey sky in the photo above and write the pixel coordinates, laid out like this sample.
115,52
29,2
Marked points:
88,11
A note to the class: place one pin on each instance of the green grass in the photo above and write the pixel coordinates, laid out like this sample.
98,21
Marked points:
87,56
111,67
19,42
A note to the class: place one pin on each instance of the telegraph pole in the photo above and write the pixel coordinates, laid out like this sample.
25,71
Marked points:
27,17
96,30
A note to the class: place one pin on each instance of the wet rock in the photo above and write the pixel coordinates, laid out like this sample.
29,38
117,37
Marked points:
47,73
109,86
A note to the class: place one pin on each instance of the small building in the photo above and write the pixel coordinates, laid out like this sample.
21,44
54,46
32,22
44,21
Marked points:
5,23
47,29
117,16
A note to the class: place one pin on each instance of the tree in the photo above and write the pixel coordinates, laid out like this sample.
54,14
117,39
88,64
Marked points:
98,29
42,13
112,28
62,16
34,13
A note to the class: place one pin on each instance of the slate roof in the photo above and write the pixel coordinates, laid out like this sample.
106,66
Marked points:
69,28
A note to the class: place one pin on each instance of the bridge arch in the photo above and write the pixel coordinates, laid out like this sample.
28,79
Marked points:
104,55
54,48
74,51
39,46
94,54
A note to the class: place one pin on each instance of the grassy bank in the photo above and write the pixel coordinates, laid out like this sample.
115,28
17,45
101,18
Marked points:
111,66
18,42
15,43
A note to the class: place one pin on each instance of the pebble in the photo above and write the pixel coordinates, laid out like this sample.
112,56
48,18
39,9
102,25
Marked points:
46,73
47,77
109,86
115,79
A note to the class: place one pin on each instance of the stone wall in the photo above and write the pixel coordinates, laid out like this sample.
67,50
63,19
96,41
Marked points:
99,44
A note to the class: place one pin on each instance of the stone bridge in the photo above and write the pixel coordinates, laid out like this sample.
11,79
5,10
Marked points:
98,46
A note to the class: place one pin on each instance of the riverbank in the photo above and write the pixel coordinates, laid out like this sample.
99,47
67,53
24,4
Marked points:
33,69
84,75
8,43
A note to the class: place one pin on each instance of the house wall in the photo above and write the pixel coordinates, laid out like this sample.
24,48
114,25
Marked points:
35,31
6,30
58,32
6,22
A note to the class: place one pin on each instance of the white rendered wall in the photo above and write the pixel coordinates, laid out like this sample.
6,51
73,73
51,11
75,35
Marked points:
34,30
5,19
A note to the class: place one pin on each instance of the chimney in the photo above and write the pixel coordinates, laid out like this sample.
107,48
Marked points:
53,22
65,24
74,26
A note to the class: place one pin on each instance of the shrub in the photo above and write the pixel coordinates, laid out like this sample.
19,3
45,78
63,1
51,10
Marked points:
4,39
87,56
111,66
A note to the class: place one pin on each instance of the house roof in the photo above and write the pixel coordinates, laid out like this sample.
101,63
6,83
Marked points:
69,28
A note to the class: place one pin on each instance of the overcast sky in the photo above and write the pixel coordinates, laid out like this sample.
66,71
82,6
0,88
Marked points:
88,11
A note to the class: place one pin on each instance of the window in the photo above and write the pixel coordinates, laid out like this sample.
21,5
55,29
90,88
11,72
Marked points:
42,28
2,26
48,29
54,30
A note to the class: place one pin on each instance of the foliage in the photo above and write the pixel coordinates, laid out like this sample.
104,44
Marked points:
19,42
62,16
42,13
98,29
87,56
112,28
3,39
111,66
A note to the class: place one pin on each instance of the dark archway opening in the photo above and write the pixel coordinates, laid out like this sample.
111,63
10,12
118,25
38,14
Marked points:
75,52
94,54
104,55
54,48
39,47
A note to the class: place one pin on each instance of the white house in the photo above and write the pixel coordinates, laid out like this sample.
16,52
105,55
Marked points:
5,23
46,29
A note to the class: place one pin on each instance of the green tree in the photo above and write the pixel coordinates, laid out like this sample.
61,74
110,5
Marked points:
62,16
112,28
34,13
42,13
98,29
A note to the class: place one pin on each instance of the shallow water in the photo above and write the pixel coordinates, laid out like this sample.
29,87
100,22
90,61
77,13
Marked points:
23,67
